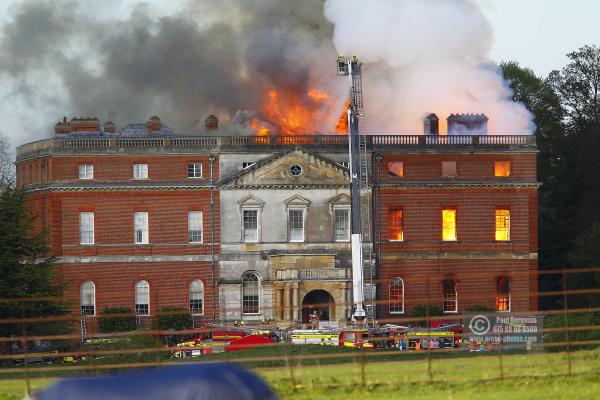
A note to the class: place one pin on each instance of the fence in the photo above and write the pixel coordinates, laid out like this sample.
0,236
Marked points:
571,335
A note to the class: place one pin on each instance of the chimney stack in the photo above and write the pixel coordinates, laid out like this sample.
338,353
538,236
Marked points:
62,126
153,125
109,127
431,124
211,123
467,124
77,125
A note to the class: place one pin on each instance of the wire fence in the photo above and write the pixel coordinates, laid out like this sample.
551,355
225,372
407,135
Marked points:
395,349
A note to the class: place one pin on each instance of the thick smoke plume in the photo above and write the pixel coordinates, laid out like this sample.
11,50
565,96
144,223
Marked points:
184,59
425,56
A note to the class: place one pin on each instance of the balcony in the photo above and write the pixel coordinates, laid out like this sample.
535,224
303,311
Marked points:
184,144
310,274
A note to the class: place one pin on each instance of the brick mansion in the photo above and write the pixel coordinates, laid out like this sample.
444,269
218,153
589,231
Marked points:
252,227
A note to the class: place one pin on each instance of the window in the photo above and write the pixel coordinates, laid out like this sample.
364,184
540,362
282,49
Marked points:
140,222
142,298
501,168
296,225
195,170
86,171
250,293
140,171
247,164
502,225
250,225
449,169
396,168
86,228
502,293
397,296
87,296
450,296
449,224
395,225
341,221
195,226
196,297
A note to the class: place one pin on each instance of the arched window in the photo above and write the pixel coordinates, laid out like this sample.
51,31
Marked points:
87,295
197,297
142,298
502,293
250,298
397,296
450,296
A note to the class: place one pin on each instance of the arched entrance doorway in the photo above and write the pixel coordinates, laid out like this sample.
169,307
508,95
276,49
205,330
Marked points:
320,301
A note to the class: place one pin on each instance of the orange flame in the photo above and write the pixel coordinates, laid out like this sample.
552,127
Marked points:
290,112
341,127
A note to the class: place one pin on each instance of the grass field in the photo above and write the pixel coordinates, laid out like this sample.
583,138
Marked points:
411,375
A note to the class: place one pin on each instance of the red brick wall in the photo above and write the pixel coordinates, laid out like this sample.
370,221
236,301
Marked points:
479,166
120,168
115,283
475,279
113,217
475,219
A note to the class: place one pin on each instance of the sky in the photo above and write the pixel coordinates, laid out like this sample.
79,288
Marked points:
535,33
538,33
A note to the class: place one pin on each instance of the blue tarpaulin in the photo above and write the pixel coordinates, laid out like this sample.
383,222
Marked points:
189,382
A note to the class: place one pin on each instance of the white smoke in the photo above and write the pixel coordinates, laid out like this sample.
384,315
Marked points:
425,56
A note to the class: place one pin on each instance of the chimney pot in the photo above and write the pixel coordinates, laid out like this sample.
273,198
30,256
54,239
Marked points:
211,123
431,124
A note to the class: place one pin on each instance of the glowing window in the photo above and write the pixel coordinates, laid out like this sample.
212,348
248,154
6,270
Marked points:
450,296
502,294
396,168
397,296
449,224
503,225
449,169
501,168
395,225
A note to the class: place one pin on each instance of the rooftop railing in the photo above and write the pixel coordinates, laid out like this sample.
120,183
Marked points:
176,144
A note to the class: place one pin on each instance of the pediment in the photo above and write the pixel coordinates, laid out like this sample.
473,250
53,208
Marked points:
251,202
340,200
292,168
297,201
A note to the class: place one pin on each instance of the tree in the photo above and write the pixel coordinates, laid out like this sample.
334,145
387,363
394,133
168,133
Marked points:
555,151
7,168
578,85
26,270
585,253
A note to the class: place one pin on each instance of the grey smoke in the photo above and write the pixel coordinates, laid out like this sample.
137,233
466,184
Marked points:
185,59
57,58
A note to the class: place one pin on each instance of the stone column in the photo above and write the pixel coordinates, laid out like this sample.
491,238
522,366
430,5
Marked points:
287,309
295,303
277,312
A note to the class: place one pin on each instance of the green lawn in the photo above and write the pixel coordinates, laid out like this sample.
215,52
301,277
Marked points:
391,375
